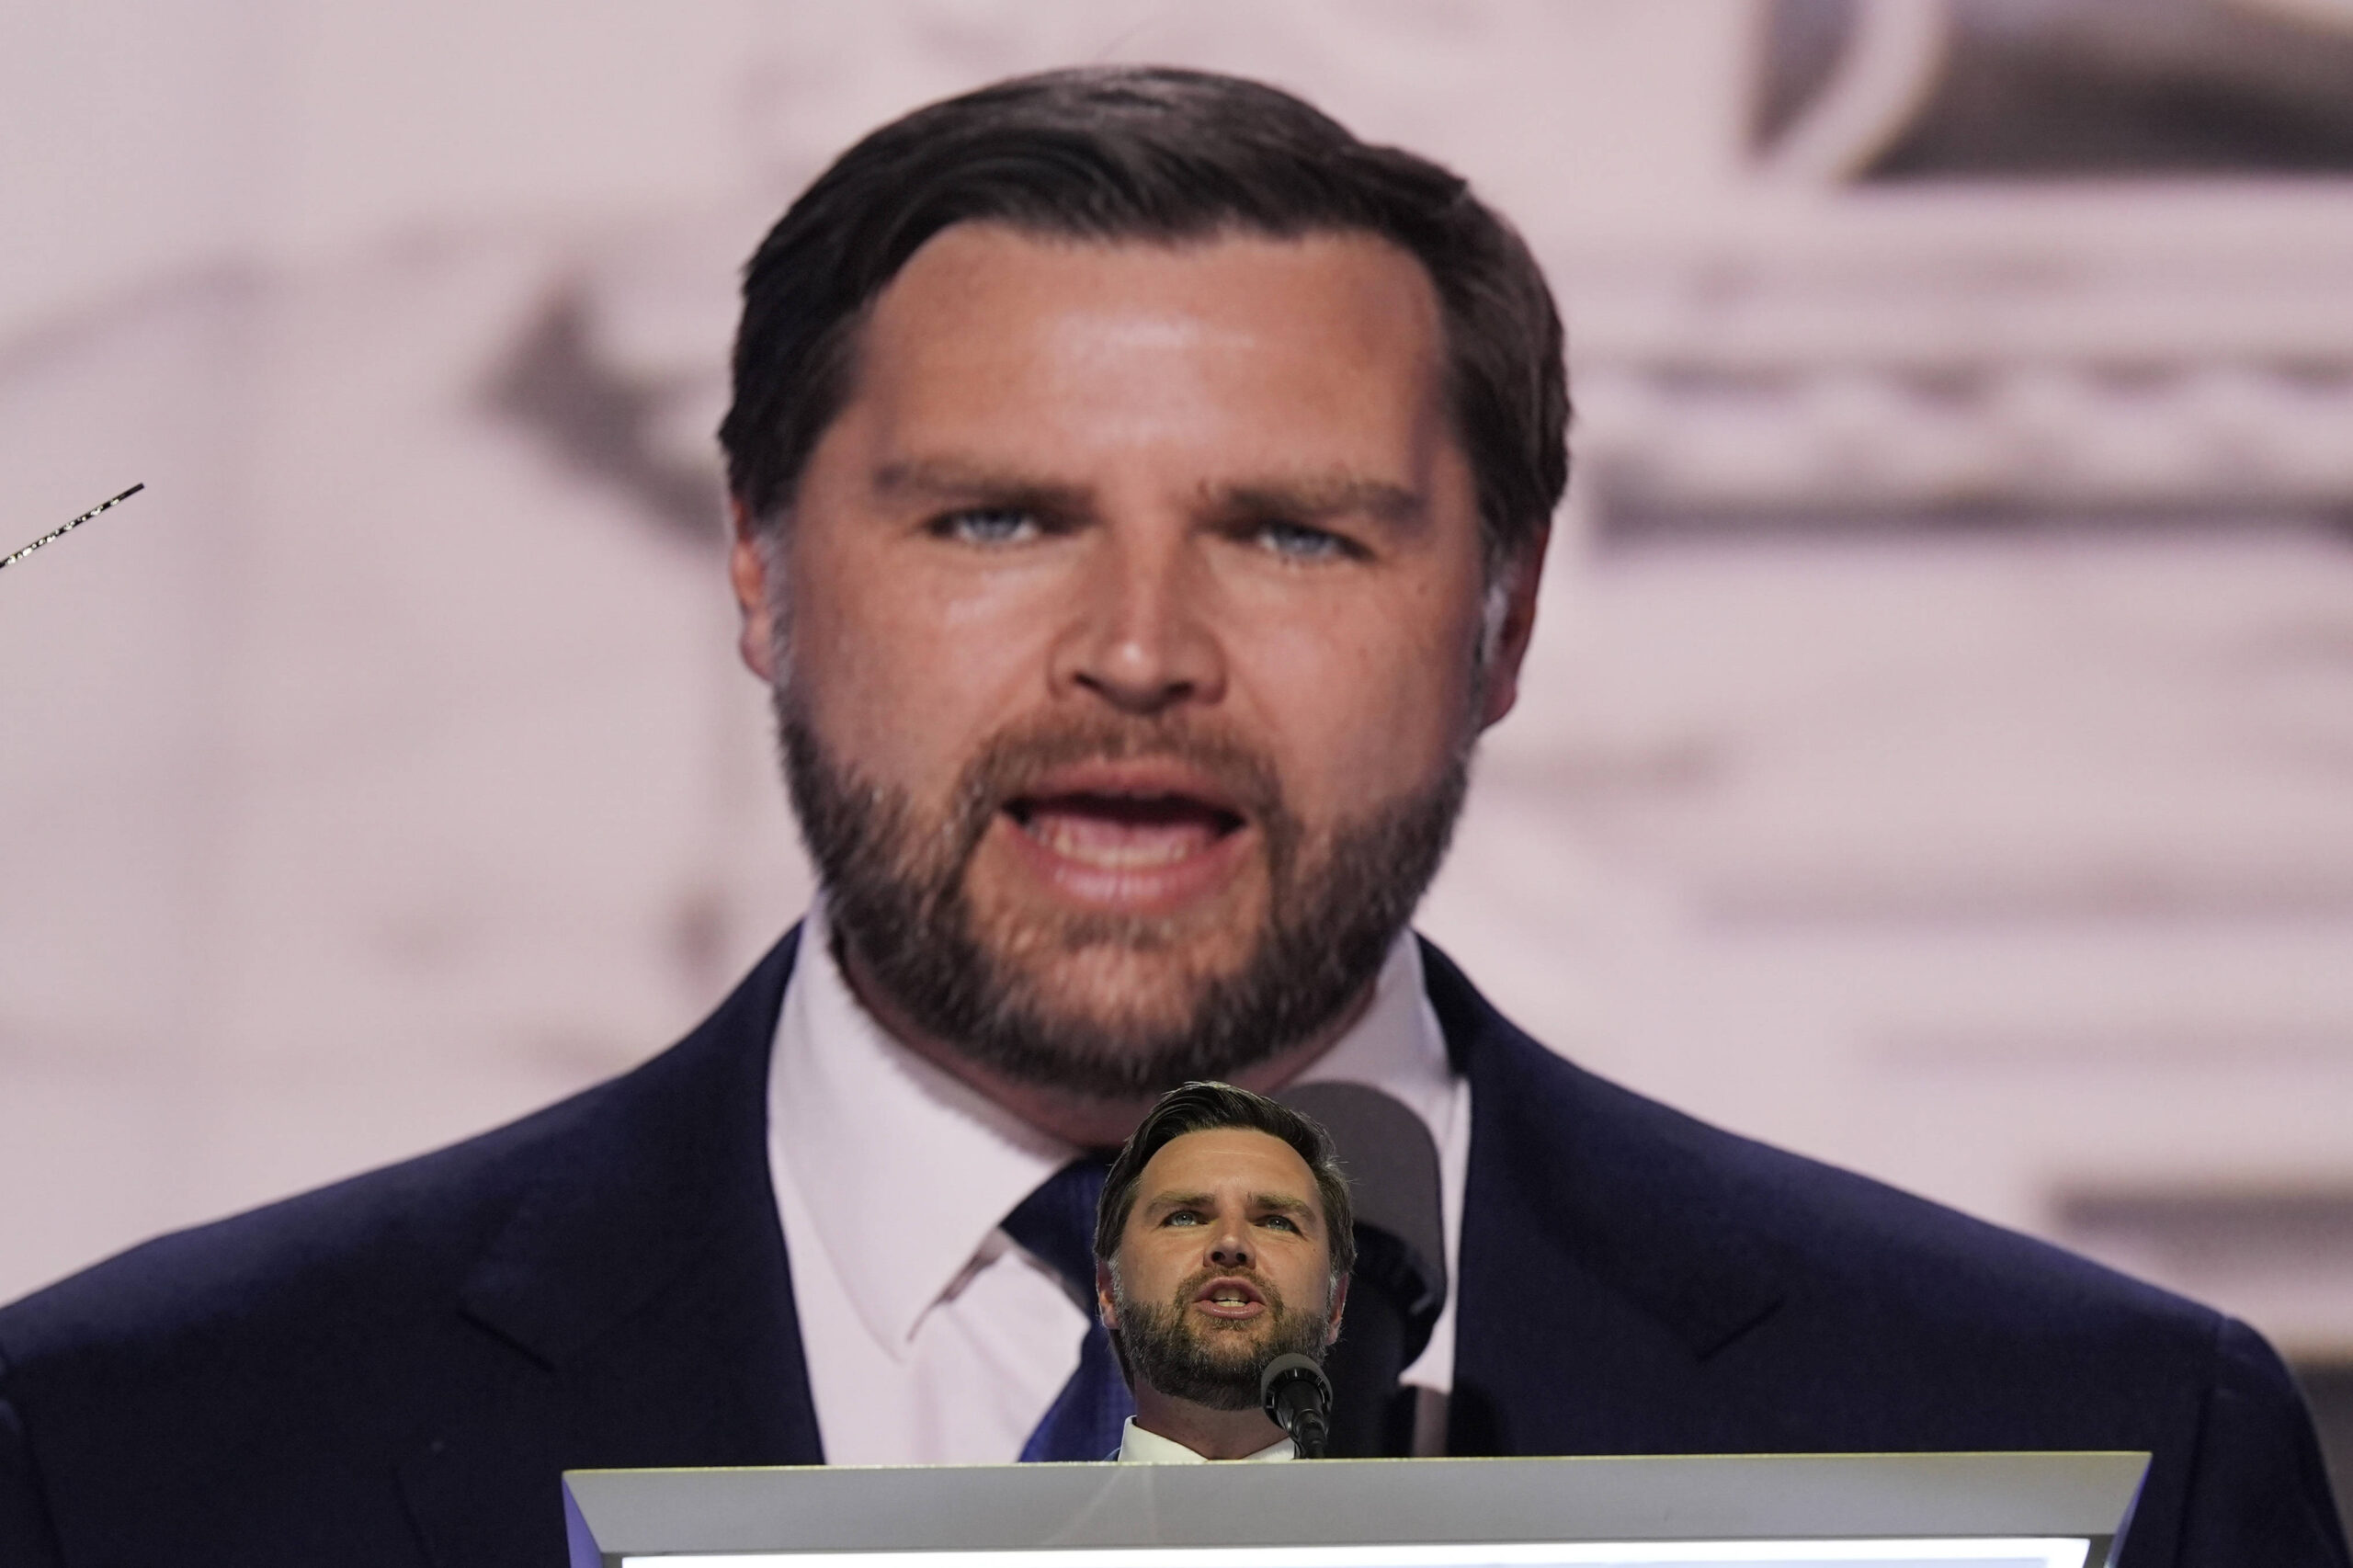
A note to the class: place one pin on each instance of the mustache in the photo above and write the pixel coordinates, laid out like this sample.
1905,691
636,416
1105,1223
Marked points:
1014,760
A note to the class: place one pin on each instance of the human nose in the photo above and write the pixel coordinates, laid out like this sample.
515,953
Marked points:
1138,639
1230,1248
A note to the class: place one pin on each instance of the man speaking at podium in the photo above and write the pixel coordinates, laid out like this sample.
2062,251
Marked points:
1140,487
1222,1244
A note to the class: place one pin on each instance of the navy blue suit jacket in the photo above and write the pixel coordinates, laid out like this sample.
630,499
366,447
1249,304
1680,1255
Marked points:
395,1369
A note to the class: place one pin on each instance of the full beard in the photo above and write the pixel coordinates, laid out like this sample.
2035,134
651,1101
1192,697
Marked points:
898,893
1215,1362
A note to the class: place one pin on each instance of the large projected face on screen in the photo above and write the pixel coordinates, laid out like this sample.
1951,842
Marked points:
1126,635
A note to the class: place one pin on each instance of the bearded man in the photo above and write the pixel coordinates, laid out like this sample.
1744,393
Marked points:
1139,491
1224,1241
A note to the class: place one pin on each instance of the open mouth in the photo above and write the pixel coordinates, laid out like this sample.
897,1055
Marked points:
1149,837
1124,831
1230,1296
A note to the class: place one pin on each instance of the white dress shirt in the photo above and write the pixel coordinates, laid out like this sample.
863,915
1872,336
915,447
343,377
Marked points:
1139,1447
931,1337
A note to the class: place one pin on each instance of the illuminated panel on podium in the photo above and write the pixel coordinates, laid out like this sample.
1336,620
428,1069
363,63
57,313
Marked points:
1973,1554
2004,1510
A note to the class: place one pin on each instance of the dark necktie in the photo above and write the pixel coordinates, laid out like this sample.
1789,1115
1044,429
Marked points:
1056,1223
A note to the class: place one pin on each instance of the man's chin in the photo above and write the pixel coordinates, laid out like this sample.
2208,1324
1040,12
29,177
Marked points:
1235,1341
1132,1001
1114,1023
1116,955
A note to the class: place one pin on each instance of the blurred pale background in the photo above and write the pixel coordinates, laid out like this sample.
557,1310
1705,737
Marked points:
1939,756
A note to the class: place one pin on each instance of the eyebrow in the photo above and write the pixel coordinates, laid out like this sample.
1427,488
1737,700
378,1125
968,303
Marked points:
1305,496
941,478
1274,1203
1326,496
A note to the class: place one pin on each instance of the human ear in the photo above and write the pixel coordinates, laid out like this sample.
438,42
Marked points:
747,571
1106,1304
1512,625
1339,1304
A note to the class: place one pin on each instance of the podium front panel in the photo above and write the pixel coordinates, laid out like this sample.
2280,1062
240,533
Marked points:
2009,1510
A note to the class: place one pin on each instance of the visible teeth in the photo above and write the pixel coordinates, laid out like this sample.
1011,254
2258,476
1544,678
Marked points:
1121,847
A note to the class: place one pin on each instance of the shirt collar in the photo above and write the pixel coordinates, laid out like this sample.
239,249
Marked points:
1139,1447
1398,1046
865,1127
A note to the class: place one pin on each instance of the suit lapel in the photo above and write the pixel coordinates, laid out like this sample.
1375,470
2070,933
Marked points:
635,1307
1599,1270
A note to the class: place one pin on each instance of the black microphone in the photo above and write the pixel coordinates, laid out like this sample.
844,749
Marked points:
1297,1397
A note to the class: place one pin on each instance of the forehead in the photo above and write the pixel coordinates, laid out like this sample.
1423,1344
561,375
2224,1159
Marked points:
1340,324
1002,263
1240,1158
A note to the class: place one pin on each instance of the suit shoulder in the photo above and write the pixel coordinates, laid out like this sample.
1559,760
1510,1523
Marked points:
400,1231
1639,1183
379,1247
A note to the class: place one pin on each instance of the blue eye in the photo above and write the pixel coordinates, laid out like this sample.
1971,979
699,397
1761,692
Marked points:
987,525
1297,541
1285,1221
1182,1217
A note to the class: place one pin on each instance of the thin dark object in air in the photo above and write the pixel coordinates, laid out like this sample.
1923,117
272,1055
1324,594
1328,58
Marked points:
69,527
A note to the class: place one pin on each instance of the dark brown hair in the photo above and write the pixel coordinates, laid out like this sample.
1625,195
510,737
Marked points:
1200,1107
1156,155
